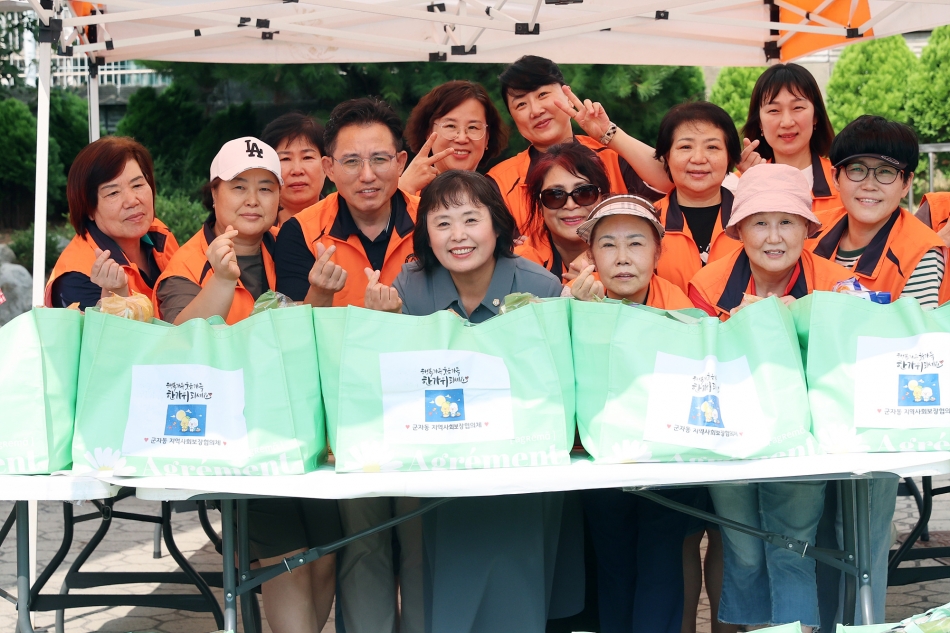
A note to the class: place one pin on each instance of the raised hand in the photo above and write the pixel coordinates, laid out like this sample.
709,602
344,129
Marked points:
326,277
590,115
587,287
222,257
749,157
422,170
380,296
108,275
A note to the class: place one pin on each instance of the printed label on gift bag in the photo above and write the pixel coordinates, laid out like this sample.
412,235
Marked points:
186,411
897,382
445,397
703,404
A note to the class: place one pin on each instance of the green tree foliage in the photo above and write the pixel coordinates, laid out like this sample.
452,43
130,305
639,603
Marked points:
872,77
18,164
182,215
13,26
167,124
68,124
236,121
732,91
929,101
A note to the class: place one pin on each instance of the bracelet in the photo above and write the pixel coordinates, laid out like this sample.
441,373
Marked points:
609,134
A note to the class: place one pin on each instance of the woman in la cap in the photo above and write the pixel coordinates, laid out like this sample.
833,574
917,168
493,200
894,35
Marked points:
625,236
454,126
221,271
772,216
120,246
789,125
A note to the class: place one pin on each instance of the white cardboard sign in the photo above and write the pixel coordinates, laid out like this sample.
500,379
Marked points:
187,411
445,396
704,404
897,382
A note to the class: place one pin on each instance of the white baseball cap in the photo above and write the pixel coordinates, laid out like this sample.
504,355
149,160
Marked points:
242,154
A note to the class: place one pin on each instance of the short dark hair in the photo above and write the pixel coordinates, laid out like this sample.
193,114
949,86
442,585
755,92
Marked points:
697,112
797,80
869,134
527,74
452,188
96,164
293,125
576,159
443,99
363,111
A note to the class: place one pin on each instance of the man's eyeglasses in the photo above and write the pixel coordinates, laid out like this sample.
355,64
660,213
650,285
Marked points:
379,163
450,131
584,195
884,174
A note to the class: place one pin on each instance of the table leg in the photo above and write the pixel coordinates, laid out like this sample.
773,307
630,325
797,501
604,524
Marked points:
244,565
23,566
230,578
846,500
862,512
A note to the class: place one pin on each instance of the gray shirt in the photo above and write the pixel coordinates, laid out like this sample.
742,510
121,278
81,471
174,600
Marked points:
423,292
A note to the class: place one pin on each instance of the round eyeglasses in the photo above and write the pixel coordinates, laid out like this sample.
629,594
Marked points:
584,195
884,174
450,130
379,163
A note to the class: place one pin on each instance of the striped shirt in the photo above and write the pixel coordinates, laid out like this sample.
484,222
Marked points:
923,284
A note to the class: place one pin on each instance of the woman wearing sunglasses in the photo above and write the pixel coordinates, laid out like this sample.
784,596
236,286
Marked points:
454,126
881,243
561,188
698,145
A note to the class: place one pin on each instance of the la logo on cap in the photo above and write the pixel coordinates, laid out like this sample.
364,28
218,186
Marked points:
253,150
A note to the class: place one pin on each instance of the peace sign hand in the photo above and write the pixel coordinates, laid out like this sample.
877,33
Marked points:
590,115
422,170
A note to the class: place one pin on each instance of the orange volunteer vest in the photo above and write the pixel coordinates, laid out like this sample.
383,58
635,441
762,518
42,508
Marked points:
80,254
721,284
318,225
823,195
890,257
934,209
680,259
191,263
510,176
661,295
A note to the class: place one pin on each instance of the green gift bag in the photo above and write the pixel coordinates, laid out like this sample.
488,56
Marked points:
666,386
429,393
40,349
200,398
874,373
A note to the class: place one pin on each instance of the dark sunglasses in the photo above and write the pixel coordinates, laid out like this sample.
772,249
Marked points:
584,195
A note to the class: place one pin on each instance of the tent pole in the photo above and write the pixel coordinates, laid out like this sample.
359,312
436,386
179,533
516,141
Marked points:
42,165
92,91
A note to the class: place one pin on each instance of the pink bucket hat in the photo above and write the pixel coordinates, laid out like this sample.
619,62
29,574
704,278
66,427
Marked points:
769,187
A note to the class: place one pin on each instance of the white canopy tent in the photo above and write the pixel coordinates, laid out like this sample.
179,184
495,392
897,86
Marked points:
671,32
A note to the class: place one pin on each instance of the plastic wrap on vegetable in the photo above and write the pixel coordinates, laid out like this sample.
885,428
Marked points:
272,300
937,620
138,307
854,288
517,300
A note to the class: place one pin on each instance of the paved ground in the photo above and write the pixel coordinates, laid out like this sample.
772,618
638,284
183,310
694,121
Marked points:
129,546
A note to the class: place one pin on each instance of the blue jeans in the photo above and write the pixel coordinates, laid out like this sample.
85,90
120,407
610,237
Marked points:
763,584
882,503
639,547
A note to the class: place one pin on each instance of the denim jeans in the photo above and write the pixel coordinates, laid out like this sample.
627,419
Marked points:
882,503
763,584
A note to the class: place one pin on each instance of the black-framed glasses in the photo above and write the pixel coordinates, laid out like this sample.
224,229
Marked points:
584,195
884,174
450,130
379,163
